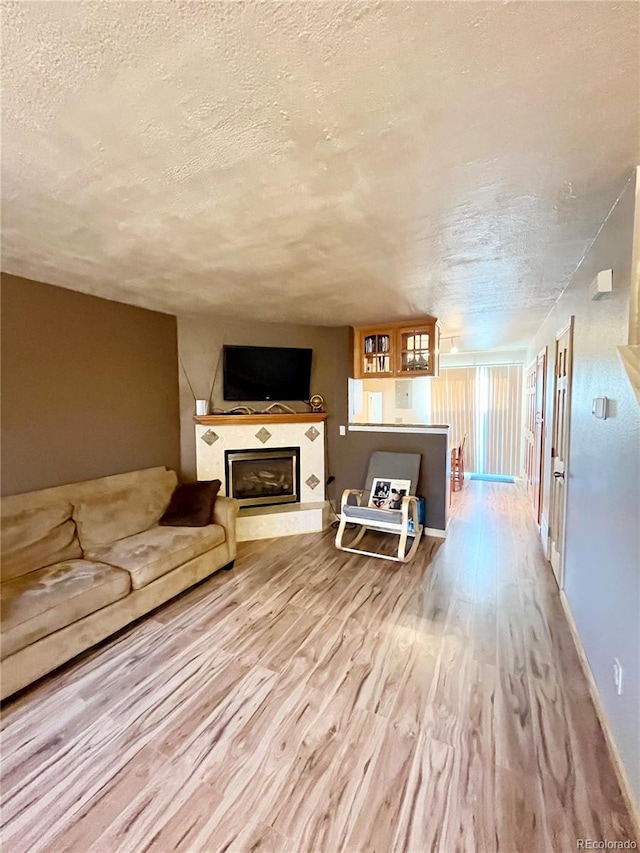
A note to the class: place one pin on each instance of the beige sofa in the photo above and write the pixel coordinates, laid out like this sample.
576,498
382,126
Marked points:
81,561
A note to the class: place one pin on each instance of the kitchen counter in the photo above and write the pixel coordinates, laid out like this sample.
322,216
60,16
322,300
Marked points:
425,429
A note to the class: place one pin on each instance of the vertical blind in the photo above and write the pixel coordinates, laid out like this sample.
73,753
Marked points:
485,403
503,418
453,397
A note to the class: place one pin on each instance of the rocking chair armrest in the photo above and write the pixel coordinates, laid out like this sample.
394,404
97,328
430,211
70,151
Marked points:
409,501
345,497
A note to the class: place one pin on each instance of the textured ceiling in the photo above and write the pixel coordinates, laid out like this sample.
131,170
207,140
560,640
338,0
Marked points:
326,163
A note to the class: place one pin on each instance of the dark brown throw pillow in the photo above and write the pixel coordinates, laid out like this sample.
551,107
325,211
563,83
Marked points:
192,504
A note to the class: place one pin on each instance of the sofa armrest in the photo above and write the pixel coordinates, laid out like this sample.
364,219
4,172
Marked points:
225,511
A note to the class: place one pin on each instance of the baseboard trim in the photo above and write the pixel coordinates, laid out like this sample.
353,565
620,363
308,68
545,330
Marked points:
435,531
612,746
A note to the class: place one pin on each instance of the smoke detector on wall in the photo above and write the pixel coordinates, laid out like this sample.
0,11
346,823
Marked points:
602,285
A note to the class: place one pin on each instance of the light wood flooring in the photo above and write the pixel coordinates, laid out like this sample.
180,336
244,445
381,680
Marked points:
312,700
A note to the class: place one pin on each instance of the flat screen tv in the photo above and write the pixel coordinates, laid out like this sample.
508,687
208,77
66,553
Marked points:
266,373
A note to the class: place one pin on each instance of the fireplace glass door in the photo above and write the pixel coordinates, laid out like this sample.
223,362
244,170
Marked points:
260,477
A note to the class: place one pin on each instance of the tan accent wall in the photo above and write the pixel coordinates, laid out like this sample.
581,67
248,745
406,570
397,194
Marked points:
89,387
201,340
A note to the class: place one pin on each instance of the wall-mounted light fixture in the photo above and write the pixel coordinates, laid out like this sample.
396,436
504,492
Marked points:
602,285
454,347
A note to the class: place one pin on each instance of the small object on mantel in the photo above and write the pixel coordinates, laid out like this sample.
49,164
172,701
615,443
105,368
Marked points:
277,409
317,403
241,410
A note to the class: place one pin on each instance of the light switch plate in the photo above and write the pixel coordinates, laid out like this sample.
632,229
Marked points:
599,407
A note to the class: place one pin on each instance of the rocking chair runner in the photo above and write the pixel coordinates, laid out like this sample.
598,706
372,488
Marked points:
403,522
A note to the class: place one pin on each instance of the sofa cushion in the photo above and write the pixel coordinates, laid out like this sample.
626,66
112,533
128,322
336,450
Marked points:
192,504
36,536
41,602
153,553
114,510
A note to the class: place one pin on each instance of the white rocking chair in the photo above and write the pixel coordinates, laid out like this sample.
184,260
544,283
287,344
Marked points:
403,522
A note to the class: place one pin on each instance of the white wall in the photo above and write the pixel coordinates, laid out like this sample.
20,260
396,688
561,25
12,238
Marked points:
418,413
602,564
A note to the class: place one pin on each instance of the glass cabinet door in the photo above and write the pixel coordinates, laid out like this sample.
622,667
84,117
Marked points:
376,354
415,351
417,348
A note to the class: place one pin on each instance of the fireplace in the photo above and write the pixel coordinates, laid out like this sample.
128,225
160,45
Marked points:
258,477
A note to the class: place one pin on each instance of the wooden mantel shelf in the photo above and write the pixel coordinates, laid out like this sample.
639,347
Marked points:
284,418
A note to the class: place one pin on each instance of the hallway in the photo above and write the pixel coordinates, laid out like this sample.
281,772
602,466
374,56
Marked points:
315,700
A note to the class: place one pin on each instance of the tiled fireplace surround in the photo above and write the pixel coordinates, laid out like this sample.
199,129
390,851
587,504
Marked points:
214,436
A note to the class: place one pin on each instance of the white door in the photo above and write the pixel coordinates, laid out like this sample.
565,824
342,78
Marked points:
374,407
540,397
560,448
529,430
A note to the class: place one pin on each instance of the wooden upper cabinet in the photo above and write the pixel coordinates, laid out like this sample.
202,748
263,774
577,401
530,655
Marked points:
398,349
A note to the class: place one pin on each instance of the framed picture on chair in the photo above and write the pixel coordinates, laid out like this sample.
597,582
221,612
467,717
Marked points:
388,494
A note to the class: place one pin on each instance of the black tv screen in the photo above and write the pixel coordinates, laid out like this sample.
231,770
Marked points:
266,373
